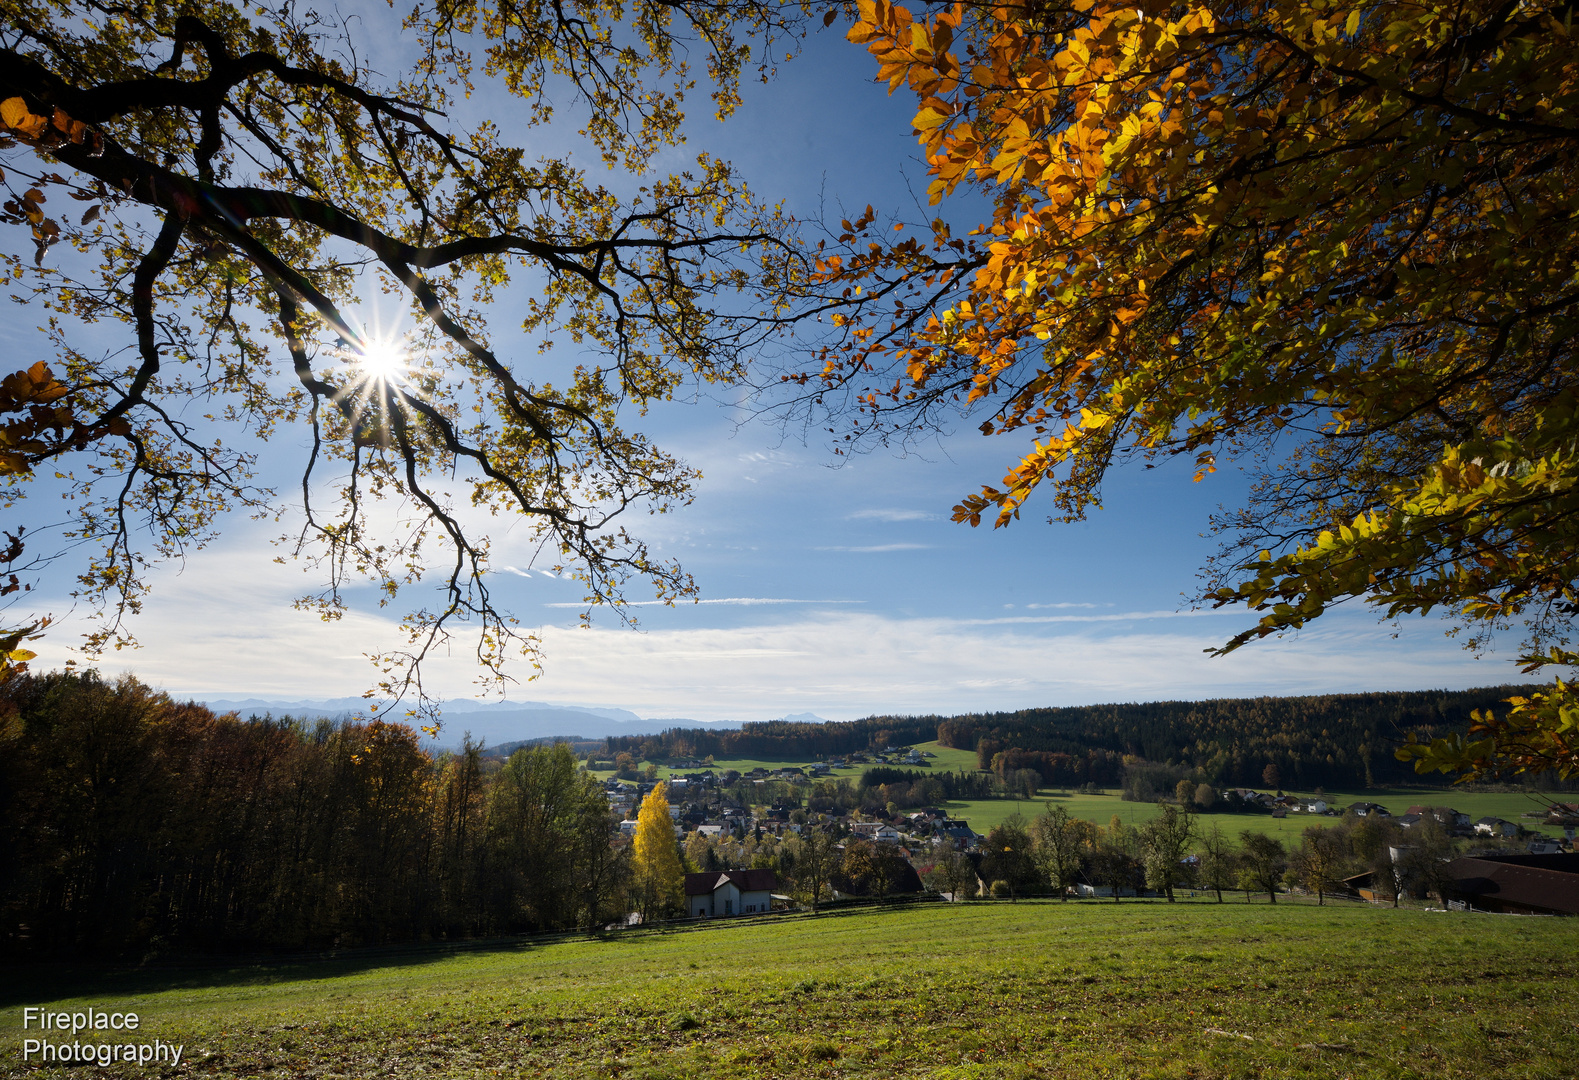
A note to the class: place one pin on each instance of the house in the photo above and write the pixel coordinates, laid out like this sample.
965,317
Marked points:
714,831
1314,806
1496,826
1563,814
959,831
1544,847
1369,809
723,893
876,830
1516,884
1453,819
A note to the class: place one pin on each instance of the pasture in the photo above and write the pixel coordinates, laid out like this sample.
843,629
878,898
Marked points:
1044,989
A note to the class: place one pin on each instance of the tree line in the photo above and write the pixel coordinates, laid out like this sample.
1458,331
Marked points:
776,739
1332,740
132,822
1055,852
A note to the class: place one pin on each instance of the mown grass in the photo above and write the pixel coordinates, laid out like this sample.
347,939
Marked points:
1043,989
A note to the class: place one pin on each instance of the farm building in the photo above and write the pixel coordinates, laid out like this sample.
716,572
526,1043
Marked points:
1517,884
729,892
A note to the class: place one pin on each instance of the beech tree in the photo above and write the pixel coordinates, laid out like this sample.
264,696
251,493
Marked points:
1329,242
1217,869
953,873
1163,841
1262,861
814,857
1058,842
241,185
1318,860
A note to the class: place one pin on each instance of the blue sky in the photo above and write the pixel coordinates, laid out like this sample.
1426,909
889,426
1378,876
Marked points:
832,586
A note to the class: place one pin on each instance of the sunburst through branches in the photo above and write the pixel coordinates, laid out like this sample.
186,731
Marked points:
383,365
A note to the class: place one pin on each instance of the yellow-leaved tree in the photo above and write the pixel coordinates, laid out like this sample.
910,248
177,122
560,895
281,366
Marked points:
1332,242
659,877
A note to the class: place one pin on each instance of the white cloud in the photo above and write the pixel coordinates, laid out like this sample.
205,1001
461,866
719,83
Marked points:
1117,616
735,601
1045,607
891,515
876,547
227,635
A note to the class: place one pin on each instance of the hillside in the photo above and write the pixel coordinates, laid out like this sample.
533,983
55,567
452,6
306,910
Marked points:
1332,740
943,991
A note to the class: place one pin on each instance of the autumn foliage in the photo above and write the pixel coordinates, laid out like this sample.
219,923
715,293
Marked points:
1329,241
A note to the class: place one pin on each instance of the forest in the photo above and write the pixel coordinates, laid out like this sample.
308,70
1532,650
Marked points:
134,823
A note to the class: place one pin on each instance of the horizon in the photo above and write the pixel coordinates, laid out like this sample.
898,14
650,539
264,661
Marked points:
507,706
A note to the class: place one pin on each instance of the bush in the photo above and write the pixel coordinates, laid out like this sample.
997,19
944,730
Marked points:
1000,889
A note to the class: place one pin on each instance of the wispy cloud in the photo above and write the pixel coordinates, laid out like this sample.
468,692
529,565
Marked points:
829,656
1044,607
874,547
738,601
890,515
1117,616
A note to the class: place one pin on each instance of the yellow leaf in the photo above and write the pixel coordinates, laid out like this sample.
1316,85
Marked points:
18,118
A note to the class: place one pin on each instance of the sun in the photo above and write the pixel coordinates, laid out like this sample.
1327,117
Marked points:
383,359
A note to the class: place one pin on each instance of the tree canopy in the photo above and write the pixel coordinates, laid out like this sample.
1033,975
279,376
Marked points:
250,184
1329,242
659,875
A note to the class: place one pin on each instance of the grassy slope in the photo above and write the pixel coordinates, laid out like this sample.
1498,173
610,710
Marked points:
1027,990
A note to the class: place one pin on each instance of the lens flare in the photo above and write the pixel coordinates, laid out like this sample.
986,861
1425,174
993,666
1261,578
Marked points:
383,359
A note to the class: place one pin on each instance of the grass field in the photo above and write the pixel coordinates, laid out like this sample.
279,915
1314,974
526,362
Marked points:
947,992
983,814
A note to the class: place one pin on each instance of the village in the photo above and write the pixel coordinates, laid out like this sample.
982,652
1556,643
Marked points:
737,830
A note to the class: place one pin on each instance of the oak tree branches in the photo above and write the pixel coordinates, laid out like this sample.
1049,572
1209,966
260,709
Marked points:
250,178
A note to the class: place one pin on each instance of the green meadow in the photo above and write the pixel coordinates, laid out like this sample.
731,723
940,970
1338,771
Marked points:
1035,989
983,814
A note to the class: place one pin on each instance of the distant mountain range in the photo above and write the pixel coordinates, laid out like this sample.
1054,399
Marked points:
496,722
